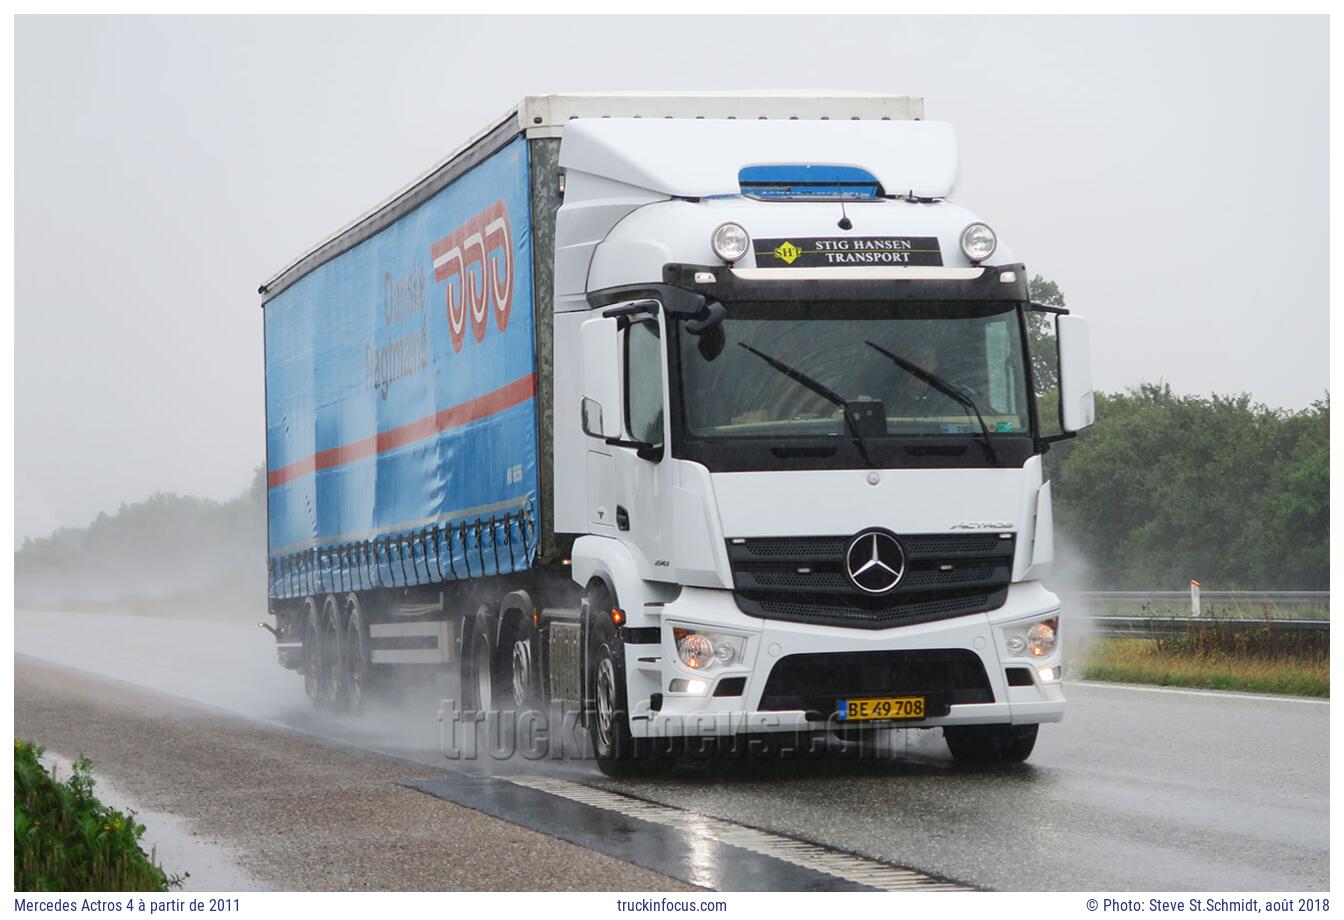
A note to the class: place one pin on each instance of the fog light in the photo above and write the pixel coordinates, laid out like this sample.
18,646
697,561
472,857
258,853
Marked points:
1047,675
1041,638
730,241
687,685
978,242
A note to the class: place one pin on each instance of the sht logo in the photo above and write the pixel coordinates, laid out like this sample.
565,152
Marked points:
476,260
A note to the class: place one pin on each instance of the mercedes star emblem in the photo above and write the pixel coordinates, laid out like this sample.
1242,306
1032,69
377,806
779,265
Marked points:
875,562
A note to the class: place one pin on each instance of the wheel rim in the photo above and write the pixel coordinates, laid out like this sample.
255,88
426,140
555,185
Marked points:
522,672
606,701
483,682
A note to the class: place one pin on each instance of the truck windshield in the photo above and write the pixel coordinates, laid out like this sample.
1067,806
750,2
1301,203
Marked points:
899,358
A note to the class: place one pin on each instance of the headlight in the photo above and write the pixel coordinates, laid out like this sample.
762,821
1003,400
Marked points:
730,241
704,651
1041,638
978,242
695,650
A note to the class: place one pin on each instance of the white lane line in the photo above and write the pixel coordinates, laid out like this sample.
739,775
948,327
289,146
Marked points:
847,866
1216,694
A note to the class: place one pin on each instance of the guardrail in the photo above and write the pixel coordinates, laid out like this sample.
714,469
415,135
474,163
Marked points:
1150,627
1276,598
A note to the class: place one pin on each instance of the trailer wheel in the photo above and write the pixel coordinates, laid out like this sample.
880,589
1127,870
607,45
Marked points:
617,751
312,653
332,645
989,744
355,667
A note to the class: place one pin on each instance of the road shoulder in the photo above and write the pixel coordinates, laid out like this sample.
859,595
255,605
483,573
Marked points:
300,813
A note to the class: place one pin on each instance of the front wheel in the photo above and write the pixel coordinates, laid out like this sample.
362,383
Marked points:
990,744
617,751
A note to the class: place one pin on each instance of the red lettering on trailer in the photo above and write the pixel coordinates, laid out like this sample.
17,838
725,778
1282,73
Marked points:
476,262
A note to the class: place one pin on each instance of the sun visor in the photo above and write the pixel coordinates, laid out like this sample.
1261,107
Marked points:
699,158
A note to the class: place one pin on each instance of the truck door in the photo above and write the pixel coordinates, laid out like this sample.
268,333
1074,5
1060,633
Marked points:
643,477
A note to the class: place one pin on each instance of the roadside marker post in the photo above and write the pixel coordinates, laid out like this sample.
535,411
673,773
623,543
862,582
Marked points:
1194,598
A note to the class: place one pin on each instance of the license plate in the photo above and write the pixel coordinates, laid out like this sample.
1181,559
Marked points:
887,707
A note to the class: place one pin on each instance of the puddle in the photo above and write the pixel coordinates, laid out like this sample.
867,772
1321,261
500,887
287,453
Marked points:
175,846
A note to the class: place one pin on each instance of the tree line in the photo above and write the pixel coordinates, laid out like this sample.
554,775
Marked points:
169,554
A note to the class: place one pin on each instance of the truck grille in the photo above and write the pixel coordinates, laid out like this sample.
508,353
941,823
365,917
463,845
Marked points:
803,579
814,682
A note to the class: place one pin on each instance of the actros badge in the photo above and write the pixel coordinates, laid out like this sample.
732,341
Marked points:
875,562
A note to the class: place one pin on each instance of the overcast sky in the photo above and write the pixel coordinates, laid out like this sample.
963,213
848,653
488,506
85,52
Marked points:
1170,173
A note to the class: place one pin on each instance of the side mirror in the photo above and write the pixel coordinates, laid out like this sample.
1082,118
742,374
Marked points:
1077,407
600,410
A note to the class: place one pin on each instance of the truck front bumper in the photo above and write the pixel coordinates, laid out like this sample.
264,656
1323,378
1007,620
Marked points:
659,710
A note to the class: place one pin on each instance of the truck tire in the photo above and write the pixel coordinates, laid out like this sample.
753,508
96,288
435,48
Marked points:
477,667
355,659
990,744
332,645
617,751
312,653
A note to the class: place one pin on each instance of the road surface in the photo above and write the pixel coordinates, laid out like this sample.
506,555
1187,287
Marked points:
1139,788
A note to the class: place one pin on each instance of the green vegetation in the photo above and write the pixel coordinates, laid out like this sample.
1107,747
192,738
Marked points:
1150,661
66,840
1166,488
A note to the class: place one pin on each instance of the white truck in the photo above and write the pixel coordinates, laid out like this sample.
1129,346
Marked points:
739,372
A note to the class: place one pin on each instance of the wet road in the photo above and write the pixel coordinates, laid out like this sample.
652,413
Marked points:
1137,789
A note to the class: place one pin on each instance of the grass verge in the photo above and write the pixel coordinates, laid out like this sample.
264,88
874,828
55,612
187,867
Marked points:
67,840
1146,661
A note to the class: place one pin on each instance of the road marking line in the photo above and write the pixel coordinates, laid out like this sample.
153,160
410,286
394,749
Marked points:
1216,694
847,866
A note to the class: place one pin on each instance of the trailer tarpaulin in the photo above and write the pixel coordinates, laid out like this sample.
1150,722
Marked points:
400,404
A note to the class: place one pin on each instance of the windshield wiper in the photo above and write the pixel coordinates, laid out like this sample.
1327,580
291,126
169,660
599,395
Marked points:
947,389
821,390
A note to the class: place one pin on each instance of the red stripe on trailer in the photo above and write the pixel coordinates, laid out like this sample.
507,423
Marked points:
496,401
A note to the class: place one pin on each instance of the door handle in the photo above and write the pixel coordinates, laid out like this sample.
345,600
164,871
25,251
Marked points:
622,518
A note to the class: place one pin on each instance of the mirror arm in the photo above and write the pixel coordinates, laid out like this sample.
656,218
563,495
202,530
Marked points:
632,309
1047,308
714,314
643,449
1062,436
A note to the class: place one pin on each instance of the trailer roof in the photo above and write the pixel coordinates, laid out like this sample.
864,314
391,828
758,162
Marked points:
545,116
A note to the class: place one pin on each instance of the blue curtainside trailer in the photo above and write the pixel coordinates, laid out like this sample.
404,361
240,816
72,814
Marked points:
401,397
